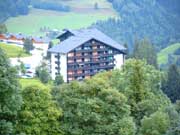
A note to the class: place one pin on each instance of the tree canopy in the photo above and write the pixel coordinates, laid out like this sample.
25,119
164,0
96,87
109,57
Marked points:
171,86
13,8
93,108
10,97
116,102
28,45
39,114
145,50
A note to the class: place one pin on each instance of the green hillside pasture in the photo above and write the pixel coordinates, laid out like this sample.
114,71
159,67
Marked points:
163,54
35,81
37,19
28,82
86,5
13,51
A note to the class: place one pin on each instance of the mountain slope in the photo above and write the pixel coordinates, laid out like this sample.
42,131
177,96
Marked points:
169,55
12,8
81,14
139,19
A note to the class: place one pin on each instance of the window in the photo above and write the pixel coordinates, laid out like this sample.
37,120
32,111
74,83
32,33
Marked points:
110,51
70,72
102,46
95,53
87,48
57,62
95,47
57,73
78,54
78,49
70,54
57,56
79,71
70,79
58,68
78,60
87,59
70,61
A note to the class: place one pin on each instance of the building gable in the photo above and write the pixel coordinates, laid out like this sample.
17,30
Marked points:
65,35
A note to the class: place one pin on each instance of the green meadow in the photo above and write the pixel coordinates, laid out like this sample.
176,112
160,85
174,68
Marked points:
35,81
82,14
163,54
13,51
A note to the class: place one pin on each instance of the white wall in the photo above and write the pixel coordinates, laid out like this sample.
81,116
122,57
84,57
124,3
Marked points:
119,60
53,65
15,41
43,46
63,66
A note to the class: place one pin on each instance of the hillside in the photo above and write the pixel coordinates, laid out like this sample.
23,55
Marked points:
152,19
13,51
169,55
11,8
81,14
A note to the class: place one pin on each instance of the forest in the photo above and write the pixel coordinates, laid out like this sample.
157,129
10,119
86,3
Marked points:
154,19
127,101
141,98
49,6
13,8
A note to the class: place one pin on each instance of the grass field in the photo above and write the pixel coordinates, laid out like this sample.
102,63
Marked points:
82,15
13,51
27,82
163,54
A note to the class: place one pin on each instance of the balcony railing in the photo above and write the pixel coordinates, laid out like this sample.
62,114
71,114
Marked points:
94,68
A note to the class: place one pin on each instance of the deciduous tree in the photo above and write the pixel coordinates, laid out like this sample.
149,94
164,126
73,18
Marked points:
10,96
91,108
28,45
39,114
3,28
156,124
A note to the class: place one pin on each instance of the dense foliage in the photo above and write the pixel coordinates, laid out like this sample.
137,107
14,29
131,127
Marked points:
126,101
93,108
58,80
118,102
49,5
42,73
174,58
145,50
28,45
13,8
39,114
140,19
10,97
3,28
171,85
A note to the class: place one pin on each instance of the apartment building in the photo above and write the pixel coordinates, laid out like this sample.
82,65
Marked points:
83,53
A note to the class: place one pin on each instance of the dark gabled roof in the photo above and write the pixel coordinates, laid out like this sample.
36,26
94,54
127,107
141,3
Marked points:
82,36
65,31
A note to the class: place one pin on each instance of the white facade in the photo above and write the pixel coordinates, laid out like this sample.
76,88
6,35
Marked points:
119,60
62,65
41,46
53,65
